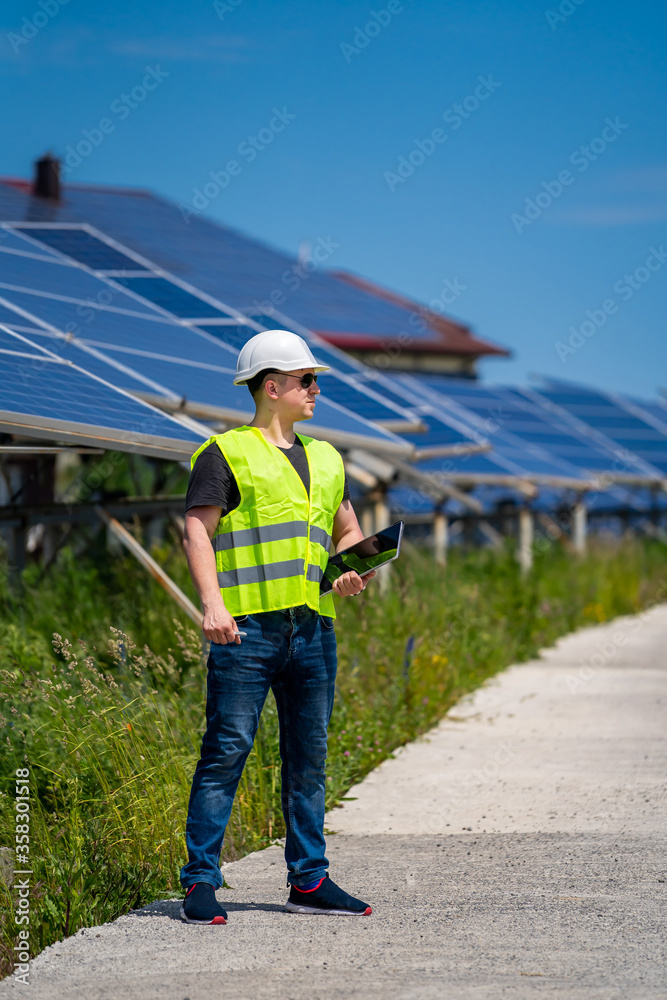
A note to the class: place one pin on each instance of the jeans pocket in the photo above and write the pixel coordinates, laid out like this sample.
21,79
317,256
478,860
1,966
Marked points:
241,619
327,622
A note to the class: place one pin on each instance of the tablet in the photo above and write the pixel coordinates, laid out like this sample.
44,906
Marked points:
364,556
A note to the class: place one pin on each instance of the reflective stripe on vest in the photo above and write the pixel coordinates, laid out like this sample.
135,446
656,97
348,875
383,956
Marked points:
272,549
269,571
264,533
320,536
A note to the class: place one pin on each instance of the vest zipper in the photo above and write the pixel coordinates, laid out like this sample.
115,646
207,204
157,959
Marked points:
307,492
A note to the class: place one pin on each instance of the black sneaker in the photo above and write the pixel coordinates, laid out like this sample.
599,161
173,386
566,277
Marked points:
326,897
201,907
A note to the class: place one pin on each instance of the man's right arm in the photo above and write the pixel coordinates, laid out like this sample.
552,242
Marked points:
200,525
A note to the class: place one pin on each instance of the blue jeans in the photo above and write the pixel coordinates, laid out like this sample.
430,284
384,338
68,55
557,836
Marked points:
293,652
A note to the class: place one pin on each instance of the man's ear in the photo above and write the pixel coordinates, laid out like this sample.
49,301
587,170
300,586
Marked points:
271,388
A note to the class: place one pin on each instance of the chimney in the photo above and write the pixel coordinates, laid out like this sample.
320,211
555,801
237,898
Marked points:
47,178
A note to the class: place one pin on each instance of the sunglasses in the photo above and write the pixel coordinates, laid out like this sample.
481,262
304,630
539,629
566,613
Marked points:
305,380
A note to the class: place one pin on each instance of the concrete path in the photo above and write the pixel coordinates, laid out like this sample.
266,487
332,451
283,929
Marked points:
517,851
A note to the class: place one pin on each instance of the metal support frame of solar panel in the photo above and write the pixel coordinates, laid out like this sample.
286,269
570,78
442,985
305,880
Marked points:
203,309
43,386
336,424
603,414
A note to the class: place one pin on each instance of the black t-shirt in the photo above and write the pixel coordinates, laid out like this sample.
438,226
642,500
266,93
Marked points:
212,482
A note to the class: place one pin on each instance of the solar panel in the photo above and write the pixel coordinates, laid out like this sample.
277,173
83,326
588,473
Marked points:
160,361
198,383
9,342
83,247
167,295
122,374
176,345
194,382
45,395
513,428
8,315
356,400
101,327
438,434
655,408
265,322
55,278
522,416
14,242
335,360
379,403
233,336
613,418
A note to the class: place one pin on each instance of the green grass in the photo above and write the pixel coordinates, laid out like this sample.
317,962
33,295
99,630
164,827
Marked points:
110,716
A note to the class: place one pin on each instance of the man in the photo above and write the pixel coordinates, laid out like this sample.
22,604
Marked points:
270,501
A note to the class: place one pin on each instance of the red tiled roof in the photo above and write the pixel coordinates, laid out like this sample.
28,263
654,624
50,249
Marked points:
454,338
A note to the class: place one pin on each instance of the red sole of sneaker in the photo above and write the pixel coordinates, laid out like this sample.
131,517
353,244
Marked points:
206,923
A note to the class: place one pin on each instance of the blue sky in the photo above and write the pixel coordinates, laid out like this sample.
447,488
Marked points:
541,198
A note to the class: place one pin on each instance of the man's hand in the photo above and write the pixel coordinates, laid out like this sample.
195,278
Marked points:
351,583
218,625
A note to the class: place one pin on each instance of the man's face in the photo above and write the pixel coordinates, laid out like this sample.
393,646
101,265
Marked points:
294,400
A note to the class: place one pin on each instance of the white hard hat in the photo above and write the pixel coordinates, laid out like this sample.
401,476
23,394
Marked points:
278,349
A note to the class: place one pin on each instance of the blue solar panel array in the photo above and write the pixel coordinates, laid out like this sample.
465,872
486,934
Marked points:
175,299
612,418
17,244
186,345
50,388
221,262
55,278
493,415
233,336
559,430
82,247
137,349
528,440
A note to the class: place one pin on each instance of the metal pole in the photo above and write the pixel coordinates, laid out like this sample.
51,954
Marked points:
147,561
367,521
440,537
526,532
579,527
382,521
381,513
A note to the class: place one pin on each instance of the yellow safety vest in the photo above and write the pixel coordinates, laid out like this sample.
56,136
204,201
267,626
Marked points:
271,551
